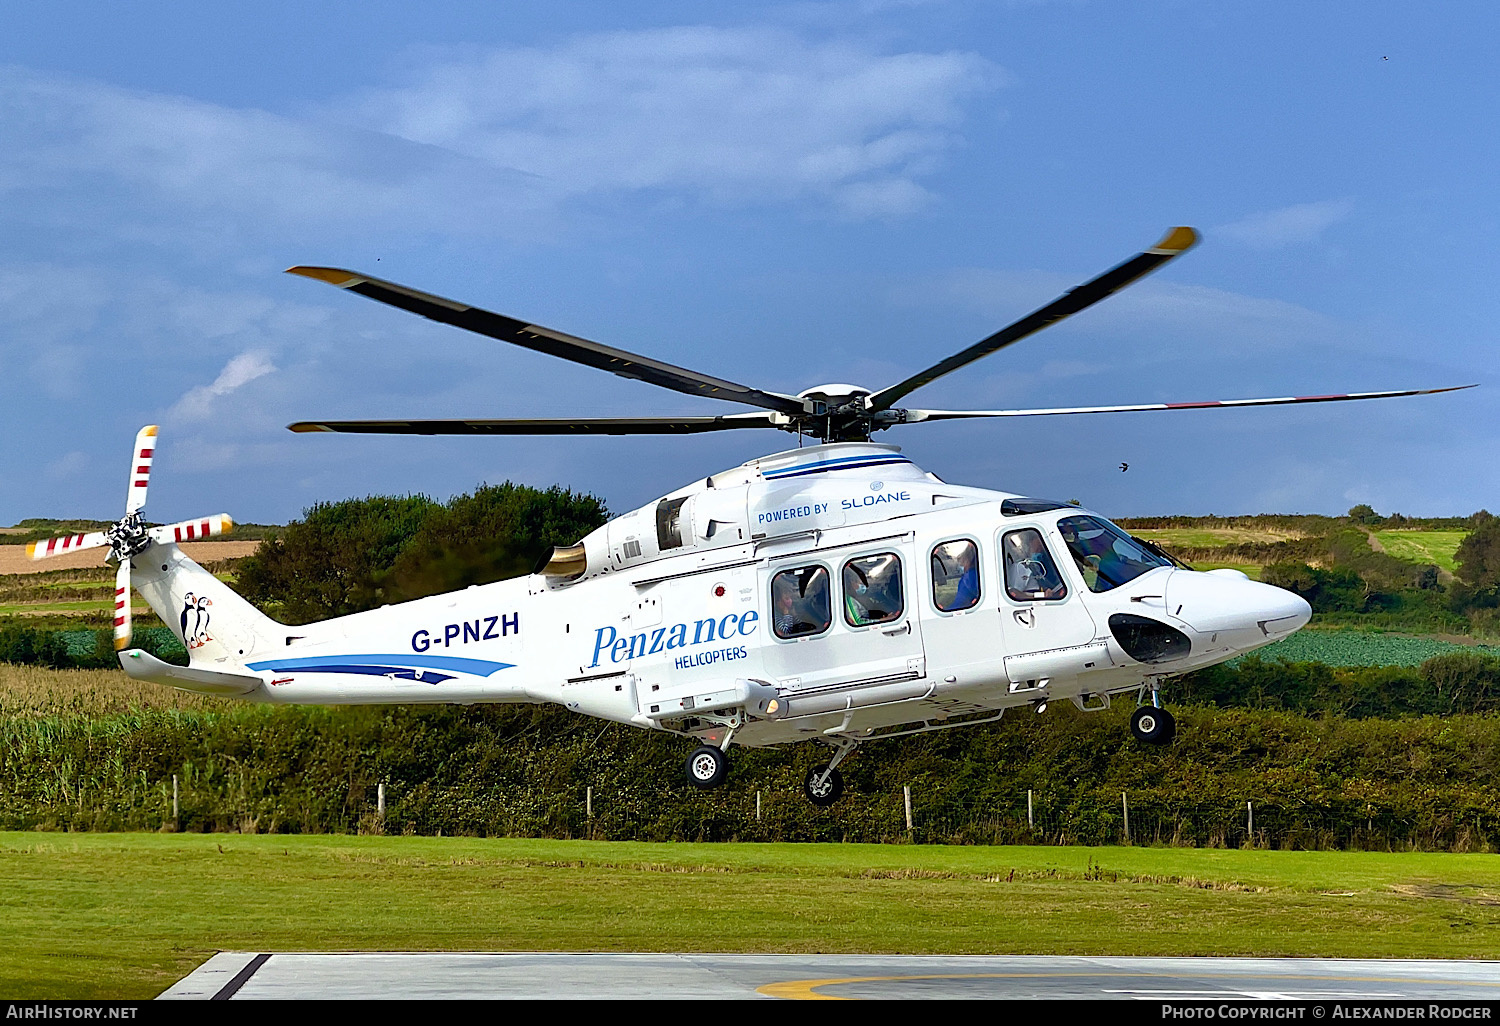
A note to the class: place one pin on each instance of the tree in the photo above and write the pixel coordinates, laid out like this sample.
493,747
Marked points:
344,557
1478,557
334,561
498,532
1363,514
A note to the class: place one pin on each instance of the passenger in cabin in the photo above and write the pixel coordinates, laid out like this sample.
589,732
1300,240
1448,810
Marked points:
968,578
1029,571
800,602
872,590
955,575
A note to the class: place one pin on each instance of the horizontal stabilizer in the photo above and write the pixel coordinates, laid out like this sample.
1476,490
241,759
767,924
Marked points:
139,664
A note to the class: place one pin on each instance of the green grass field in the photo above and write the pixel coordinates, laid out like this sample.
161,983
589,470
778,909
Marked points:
1423,546
125,915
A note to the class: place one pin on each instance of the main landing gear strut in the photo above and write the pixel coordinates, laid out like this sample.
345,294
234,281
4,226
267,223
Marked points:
824,785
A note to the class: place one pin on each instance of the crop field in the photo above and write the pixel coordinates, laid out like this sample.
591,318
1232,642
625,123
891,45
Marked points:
1423,546
41,588
13,558
1214,537
125,915
1363,648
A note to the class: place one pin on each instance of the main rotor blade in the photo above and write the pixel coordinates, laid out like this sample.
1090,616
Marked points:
1176,242
620,426
545,340
915,416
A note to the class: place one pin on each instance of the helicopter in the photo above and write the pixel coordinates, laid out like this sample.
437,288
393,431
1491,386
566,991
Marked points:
834,593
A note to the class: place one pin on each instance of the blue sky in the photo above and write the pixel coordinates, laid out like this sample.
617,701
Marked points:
779,194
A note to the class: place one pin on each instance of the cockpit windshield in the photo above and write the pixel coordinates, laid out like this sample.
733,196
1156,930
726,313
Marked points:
1106,556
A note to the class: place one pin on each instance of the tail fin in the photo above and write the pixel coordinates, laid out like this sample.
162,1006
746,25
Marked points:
217,626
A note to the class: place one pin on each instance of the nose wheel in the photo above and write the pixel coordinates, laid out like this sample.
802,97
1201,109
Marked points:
1153,725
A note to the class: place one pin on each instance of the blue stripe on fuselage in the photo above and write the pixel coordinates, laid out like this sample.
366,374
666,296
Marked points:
311,664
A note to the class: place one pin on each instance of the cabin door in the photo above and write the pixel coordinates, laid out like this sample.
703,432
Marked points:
843,619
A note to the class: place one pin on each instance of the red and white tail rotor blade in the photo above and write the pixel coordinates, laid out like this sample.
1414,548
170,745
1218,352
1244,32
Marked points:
67,543
122,606
141,458
193,530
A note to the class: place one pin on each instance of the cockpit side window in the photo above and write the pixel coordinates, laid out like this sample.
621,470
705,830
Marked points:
800,602
1106,556
872,590
955,575
1029,572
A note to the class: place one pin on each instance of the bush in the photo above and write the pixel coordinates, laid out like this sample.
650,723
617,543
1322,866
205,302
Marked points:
349,556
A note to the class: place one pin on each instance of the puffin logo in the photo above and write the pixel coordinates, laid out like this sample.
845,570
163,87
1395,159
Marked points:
194,620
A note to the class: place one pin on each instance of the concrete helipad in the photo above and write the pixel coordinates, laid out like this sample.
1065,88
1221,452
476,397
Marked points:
242,975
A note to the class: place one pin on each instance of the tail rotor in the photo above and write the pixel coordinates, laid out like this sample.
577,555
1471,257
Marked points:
131,536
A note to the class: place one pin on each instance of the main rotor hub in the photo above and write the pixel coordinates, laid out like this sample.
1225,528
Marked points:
836,413
837,397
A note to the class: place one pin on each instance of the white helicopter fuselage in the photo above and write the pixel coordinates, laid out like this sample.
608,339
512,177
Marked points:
679,615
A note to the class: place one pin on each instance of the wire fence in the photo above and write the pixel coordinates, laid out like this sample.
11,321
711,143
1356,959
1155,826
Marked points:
195,802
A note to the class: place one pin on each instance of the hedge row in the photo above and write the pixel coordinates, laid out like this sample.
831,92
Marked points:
1420,782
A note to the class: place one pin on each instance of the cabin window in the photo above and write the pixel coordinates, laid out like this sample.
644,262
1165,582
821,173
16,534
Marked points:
1030,574
955,575
872,590
801,603
1106,556
669,523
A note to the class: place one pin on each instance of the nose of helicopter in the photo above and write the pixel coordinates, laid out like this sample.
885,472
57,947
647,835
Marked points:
1227,600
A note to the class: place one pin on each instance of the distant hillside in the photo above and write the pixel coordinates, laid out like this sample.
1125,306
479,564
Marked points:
42,528
1391,572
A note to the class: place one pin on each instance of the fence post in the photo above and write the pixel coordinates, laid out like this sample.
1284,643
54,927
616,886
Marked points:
906,794
380,805
1250,821
1030,822
588,802
176,817
757,806
1125,805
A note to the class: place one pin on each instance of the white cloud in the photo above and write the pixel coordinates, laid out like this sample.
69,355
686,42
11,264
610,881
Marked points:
494,143
1302,222
729,113
197,403
70,465
1214,319
105,155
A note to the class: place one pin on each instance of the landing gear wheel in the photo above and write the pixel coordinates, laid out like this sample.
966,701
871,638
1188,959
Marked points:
706,767
1152,725
828,792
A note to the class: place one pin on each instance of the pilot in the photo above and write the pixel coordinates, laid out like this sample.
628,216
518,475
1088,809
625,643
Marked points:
1029,570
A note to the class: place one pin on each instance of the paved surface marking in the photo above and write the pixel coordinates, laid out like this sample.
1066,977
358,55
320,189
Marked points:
244,976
